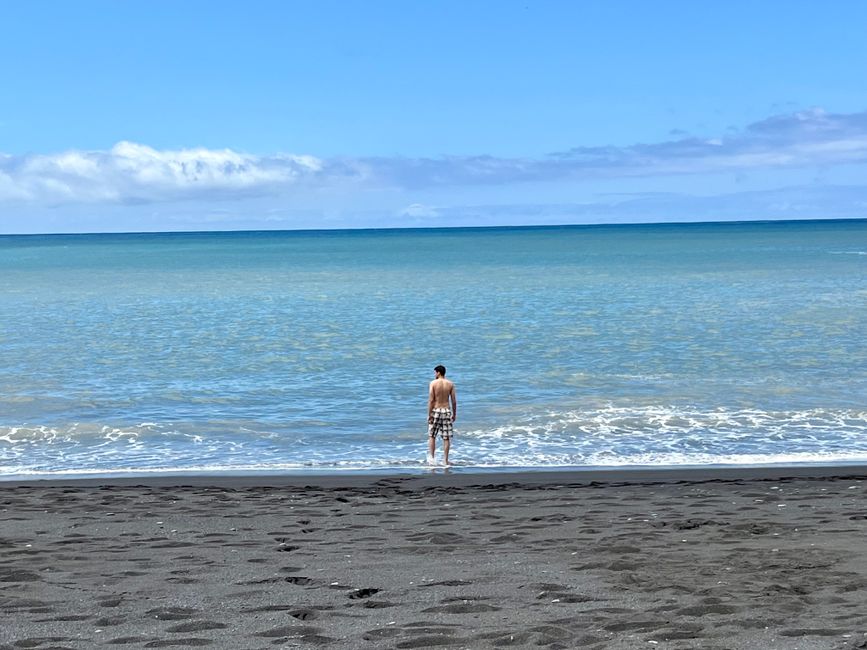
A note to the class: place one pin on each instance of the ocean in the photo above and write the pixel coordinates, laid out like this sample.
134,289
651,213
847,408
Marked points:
581,346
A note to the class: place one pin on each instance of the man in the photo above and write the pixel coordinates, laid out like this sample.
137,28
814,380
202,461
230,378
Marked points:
442,409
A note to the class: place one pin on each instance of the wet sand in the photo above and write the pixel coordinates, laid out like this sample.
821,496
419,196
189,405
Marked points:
711,559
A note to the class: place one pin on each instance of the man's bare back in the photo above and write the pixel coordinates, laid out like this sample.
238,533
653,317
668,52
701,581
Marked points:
442,410
442,391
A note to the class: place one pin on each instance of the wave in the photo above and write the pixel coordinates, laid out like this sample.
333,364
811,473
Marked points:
607,436
656,419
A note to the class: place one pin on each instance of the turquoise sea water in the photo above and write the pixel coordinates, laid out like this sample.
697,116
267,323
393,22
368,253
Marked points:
570,346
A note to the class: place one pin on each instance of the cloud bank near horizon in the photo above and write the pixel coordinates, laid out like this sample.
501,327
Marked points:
786,203
131,173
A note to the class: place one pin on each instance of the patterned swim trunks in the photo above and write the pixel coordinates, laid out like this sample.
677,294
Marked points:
442,424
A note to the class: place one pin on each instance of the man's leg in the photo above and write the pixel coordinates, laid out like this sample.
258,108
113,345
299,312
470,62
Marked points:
447,443
431,448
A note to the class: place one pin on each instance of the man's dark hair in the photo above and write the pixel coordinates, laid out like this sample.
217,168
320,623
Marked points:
441,370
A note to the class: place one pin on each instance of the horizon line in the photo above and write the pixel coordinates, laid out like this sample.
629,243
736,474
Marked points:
425,228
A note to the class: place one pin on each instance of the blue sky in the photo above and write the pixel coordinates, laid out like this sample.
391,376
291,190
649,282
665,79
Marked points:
142,116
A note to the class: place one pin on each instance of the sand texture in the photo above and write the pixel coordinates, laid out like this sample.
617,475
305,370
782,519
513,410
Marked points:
405,563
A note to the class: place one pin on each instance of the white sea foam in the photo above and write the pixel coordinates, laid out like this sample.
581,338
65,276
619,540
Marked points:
669,435
611,435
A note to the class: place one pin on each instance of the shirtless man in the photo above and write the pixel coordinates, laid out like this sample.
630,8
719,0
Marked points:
442,409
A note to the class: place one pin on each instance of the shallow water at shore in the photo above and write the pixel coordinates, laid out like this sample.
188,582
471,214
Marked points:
629,345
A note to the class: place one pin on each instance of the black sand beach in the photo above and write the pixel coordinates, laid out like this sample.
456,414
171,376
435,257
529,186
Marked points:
712,559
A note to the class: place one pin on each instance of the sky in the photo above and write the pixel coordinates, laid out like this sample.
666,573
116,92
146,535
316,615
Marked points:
162,116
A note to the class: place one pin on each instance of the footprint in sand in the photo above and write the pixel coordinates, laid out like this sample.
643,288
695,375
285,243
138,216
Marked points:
172,613
462,608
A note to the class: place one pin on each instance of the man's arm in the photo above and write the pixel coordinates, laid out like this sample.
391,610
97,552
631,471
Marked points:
430,404
454,399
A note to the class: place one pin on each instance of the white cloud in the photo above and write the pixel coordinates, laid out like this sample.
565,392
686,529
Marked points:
136,173
419,210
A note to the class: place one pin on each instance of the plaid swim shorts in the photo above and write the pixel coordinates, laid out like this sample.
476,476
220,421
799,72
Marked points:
442,424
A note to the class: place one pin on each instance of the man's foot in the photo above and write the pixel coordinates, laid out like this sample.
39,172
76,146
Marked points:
431,460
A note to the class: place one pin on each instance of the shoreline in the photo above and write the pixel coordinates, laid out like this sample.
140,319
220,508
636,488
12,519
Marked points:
458,477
